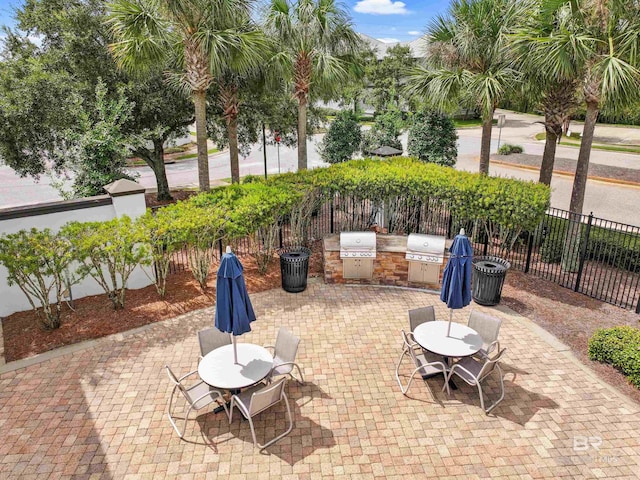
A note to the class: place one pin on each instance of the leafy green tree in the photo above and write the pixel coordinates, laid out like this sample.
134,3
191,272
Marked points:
433,139
385,131
354,89
386,78
316,45
469,63
99,151
73,48
199,37
342,140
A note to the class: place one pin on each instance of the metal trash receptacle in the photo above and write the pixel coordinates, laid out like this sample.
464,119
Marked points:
488,278
294,268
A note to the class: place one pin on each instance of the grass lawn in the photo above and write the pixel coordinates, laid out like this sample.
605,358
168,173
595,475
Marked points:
195,154
573,142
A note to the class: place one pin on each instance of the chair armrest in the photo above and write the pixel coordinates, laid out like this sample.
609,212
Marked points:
270,346
493,346
187,375
460,367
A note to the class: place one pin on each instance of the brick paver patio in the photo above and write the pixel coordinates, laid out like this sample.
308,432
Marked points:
100,412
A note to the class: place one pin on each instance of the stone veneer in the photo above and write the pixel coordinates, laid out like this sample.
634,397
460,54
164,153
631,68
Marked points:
389,267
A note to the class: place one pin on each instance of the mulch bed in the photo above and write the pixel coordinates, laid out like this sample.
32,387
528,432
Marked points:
94,317
571,317
152,200
568,165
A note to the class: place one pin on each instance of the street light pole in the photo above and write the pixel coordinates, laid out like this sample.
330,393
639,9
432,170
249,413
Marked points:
264,149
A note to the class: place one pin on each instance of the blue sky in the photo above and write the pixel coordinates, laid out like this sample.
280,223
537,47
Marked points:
384,19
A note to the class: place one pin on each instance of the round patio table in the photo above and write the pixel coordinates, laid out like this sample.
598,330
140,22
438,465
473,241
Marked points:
462,342
218,369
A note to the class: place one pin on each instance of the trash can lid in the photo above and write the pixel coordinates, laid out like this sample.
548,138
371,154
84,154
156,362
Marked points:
490,266
295,253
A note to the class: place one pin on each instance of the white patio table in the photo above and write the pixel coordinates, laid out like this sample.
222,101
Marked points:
218,369
461,342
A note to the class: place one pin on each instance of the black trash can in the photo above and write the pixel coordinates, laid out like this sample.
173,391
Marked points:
488,278
294,267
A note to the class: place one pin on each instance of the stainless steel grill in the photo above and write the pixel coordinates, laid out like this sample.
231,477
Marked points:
357,245
425,248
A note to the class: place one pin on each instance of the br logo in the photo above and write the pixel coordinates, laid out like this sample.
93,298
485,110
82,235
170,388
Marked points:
582,443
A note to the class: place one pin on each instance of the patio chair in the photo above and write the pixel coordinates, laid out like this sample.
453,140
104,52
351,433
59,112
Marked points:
488,328
197,397
421,364
418,316
284,355
257,399
212,338
474,372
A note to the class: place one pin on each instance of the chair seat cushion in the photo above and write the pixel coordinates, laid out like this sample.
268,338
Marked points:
198,390
470,364
426,369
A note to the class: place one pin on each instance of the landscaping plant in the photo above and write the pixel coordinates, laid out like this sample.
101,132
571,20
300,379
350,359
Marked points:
342,140
619,346
433,138
109,252
385,131
508,149
38,261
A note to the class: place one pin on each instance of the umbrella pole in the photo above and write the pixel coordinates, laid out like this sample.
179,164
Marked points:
235,350
450,317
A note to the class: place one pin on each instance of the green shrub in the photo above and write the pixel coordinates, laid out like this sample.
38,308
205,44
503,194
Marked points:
109,252
433,138
342,140
384,132
619,346
507,149
38,261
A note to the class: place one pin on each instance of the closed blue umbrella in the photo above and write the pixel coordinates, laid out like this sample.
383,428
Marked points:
234,311
456,280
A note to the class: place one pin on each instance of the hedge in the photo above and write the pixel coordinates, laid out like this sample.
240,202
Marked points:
611,247
619,346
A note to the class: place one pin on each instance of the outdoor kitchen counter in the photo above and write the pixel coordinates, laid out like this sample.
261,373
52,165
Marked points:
384,243
390,267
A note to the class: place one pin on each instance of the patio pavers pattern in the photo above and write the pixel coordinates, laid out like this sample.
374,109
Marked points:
100,412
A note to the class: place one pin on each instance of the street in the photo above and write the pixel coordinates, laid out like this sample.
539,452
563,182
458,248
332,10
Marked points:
611,201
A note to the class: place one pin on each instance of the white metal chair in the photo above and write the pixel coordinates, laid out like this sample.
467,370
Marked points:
474,372
212,338
284,355
197,397
257,399
488,328
418,316
421,364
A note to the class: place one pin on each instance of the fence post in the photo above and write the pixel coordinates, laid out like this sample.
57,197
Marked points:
220,247
583,252
449,225
331,216
280,236
485,249
638,306
529,251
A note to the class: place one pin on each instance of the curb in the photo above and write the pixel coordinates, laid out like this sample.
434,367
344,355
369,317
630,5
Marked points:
564,173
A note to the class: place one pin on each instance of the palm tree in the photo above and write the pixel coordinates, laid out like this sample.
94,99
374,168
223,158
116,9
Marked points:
468,62
317,44
198,37
553,86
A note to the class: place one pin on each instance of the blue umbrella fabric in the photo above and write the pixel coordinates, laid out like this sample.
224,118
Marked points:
456,280
234,311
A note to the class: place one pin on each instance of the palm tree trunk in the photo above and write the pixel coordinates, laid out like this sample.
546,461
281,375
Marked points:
548,158
200,103
302,135
232,132
582,169
485,146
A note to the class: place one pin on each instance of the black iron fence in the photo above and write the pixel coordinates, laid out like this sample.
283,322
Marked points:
589,255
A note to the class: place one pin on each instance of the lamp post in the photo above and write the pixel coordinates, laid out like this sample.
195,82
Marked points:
264,149
277,134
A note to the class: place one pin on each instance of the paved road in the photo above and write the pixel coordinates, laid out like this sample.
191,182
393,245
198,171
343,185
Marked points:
614,202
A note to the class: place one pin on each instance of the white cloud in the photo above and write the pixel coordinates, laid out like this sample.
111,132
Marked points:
414,32
381,7
388,40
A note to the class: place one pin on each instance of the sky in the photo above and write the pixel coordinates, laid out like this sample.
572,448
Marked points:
390,20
